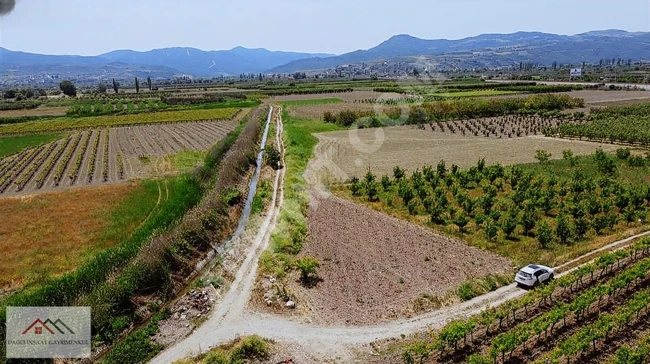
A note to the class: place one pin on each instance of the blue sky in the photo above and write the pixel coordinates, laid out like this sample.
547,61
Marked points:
90,27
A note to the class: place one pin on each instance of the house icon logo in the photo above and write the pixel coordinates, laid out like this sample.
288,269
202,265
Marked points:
38,327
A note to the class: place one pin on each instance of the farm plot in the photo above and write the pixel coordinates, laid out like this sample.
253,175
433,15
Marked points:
54,233
352,152
69,123
585,316
374,266
105,155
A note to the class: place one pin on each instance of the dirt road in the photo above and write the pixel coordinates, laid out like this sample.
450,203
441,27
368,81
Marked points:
232,317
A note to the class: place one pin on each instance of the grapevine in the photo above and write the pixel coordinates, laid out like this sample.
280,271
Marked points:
60,169
80,158
40,179
93,157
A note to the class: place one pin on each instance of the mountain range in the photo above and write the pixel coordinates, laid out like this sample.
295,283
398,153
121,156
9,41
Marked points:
166,62
487,50
493,50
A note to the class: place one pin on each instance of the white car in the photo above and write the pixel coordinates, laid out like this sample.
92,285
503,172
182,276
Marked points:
533,275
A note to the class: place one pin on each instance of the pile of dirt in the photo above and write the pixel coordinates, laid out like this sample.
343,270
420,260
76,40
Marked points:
185,315
373,266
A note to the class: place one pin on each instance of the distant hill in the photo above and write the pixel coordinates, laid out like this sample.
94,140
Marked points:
196,62
495,49
164,62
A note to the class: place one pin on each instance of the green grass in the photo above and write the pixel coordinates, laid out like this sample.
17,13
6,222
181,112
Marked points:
262,197
15,144
137,347
332,100
291,229
187,161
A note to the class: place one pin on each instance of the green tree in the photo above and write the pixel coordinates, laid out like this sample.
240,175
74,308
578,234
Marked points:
101,88
491,230
68,88
149,82
370,184
461,220
528,221
137,86
115,86
564,228
544,235
542,156
385,183
398,173
405,192
355,187
623,153
509,225
567,155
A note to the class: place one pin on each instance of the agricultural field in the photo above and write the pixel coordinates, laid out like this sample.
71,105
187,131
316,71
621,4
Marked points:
527,216
99,156
71,123
593,314
39,111
353,152
11,145
65,228
379,266
623,125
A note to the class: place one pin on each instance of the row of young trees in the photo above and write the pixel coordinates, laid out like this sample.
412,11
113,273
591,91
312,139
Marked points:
493,199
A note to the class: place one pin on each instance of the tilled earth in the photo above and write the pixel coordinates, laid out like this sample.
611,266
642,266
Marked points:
373,266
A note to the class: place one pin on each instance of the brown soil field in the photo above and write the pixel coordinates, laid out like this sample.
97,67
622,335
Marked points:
80,160
53,233
39,111
348,154
373,266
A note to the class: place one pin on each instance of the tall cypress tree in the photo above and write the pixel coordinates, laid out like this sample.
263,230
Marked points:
149,82
137,86
115,86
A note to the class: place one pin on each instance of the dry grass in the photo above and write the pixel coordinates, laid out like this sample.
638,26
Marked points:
352,152
39,111
53,233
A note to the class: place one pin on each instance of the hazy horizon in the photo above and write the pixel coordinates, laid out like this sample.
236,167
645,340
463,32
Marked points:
312,26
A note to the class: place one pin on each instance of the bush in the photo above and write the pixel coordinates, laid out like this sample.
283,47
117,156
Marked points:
253,348
308,267
466,291
542,156
272,157
232,197
623,153
636,161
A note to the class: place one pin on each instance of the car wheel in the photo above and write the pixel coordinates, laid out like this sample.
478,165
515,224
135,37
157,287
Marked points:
551,277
